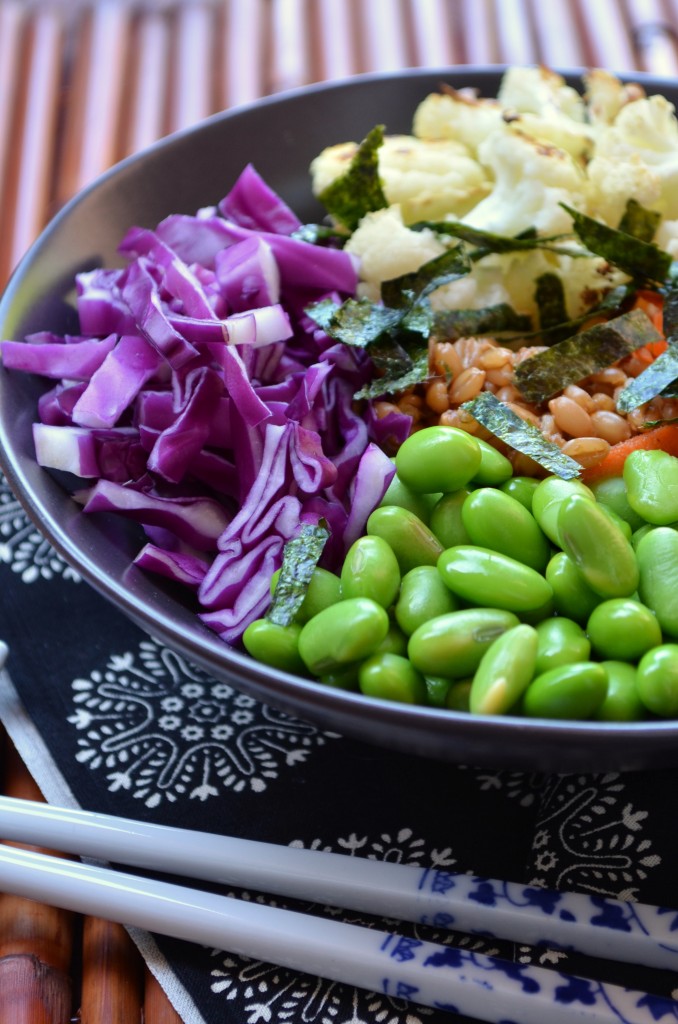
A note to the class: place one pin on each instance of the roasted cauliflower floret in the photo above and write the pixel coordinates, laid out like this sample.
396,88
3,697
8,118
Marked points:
531,179
387,248
427,178
637,157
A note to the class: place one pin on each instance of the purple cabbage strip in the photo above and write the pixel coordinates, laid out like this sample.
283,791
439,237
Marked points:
198,521
252,204
178,566
208,407
57,360
116,383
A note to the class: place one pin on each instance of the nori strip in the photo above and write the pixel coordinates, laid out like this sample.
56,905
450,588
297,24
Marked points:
541,376
550,298
319,234
450,324
415,372
641,260
654,379
409,288
639,222
356,322
487,242
301,555
359,189
521,435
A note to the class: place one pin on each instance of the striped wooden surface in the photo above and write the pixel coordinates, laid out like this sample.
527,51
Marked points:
83,85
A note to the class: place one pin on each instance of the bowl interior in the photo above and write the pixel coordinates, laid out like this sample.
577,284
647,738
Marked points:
279,136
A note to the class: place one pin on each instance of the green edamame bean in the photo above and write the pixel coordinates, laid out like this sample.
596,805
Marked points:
572,596
504,672
560,641
657,680
623,629
446,522
548,496
371,570
651,479
423,595
569,691
459,696
323,590
452,645
620,523
437,688
622,703
398,494
343,678
611,492
495,520
657,555
392,677
438,459
494,467
521,488
347,631
395,641
274,645
492,580
411,540
601,552
638,534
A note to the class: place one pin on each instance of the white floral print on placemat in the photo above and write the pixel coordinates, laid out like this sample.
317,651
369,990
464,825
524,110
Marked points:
589,837
162,729
22,546
270,994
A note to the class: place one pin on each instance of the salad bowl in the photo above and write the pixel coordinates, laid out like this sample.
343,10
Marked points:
192,169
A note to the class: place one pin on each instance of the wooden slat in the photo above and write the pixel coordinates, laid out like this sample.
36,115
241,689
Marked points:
29,178
93,119
36,941
157,1007
112,975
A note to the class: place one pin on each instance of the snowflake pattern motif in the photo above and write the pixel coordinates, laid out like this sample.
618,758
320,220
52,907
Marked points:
163,730
22,546
266,993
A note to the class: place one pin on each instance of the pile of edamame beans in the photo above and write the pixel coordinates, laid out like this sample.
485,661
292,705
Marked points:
475,590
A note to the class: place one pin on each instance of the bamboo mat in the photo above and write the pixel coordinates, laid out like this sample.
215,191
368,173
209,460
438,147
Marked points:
83,85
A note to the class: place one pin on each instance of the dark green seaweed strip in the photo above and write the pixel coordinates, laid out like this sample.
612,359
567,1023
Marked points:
449,324
641,260
654,379
521,435
550,298
541,376
487,242
300,557
639,222
409,288
359,189
356,322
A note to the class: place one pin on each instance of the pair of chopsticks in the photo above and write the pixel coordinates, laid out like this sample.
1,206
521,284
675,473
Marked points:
445,977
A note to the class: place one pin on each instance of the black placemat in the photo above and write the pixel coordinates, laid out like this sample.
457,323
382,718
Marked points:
109,719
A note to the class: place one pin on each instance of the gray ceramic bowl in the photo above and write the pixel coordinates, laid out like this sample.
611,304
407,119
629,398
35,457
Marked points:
280,135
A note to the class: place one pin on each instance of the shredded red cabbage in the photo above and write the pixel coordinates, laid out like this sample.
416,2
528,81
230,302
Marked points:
208,407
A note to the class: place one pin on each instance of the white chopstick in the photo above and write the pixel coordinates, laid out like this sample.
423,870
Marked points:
615,929
444,977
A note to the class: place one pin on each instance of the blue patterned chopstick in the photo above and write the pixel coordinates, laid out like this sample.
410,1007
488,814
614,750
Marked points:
592,925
